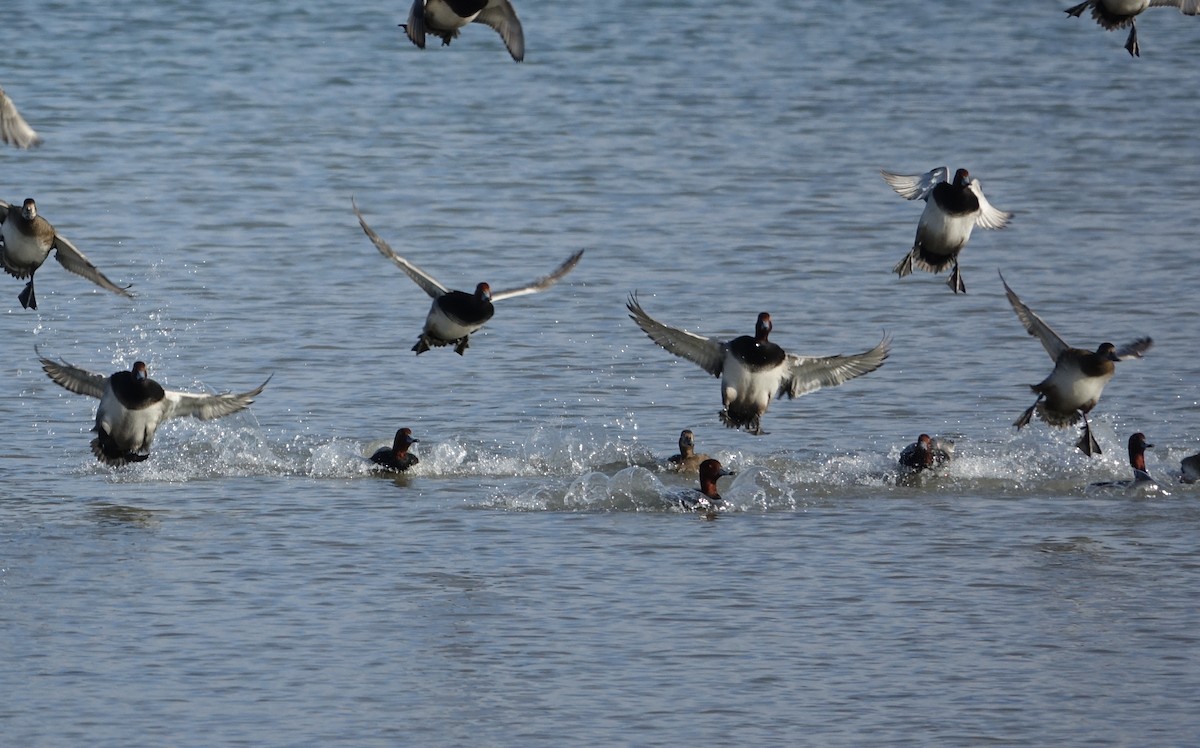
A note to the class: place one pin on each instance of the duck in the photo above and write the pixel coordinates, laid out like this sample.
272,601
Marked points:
1189,469
952,210
445,18
28,239
926,453
1117,14
753,369
1074,387
687,461
1141,480
133,406
455,315
705,499
14,130
397,458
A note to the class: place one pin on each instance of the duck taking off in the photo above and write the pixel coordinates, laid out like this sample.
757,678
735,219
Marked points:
952,210
1117,14
1073,388
753,369
445,18
13,127
454,315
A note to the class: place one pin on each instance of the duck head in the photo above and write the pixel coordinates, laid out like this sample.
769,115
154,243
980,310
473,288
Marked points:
762,328
483,292
29,209
962,178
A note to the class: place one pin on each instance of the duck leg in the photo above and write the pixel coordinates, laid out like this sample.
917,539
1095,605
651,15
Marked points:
1078,9
1023,421
463,343
1131,43
955,281
905,266
27,297
1087,443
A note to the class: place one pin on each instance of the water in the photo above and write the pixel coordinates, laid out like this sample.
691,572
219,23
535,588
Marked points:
252,584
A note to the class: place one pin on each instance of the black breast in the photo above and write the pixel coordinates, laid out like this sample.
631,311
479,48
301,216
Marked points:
957,201
134,393
757,355
466,308
465,8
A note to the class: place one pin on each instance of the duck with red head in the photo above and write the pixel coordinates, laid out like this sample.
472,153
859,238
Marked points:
1074,387
952,210
455,315
926,453
1141,480
133,406
706,498
397,458
753,370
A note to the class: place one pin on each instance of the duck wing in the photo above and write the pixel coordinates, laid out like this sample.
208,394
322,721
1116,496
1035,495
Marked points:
1034,325
916,186
989,217
75,261
541,284
415,28
1187,7
499,14
1136,348
426,281
808,373
13,127
208,407
706,353
79,381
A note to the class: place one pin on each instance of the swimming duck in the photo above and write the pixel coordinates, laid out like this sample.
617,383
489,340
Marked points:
133,406
753,369
952,210
397,457
1079,376
926,453
1117,14
705,499
28,239
1137,461
1189,469
687,460
454,315
13,127
444,19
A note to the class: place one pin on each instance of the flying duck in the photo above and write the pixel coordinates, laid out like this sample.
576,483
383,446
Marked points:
1117,14
1079,376
28,239
133,406
444,19
753,369
687,460
13,127
952,210
454,315
397,458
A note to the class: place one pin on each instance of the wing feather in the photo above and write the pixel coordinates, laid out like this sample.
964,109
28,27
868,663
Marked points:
706,353
989,216
75,261
916,186
541,284
809,374
208,407
426,281
74,379
13,127
499,14
1034,325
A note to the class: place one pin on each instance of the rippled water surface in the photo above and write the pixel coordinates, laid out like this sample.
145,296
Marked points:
528,583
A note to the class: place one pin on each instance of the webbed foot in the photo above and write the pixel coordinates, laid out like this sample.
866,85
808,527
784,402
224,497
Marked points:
955,281
27,297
